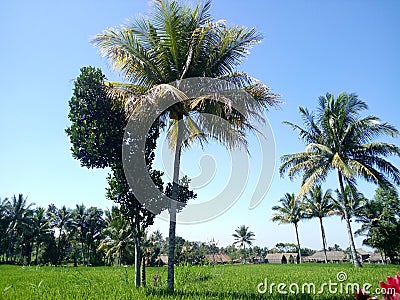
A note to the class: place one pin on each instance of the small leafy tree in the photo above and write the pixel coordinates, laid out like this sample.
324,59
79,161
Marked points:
96,133
380,219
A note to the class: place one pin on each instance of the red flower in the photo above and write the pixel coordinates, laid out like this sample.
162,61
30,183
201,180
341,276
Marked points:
392,287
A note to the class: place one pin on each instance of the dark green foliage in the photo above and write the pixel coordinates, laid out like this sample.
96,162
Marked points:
97,121
381,222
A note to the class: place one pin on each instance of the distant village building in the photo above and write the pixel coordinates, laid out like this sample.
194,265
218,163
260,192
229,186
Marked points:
363,255
376,258
281,258
162,260
219,258
332,256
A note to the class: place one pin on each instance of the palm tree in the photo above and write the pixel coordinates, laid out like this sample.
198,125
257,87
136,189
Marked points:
243,237
179,42
319,205
290,212
118,235
79,215
20,218
41,229
60,219
339,139
347,206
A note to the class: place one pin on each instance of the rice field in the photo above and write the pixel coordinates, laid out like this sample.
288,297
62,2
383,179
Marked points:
306,281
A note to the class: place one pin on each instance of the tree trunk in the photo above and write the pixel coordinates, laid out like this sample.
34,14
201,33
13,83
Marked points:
298,242
356,261
137,262
83,252
36,254
144,271
323,240
173,206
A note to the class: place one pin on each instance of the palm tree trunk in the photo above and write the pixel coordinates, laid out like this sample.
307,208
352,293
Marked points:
137,262
323,239
356,261
37,253
298,242
144,271
172,210
83,251
119,256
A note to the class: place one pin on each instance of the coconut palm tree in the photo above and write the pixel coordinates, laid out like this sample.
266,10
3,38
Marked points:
79,215
179,42
347,206
118,235
243,237
20,218
60,219
339,139
319,205
41,229
290,212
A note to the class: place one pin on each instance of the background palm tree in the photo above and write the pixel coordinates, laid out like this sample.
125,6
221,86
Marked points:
339,139
118,235
178,42
290,212
243,237
319,205
41,229
19,222
79,215
60,219
347,206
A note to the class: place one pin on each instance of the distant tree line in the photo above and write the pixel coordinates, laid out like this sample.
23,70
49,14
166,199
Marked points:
379,218
91,236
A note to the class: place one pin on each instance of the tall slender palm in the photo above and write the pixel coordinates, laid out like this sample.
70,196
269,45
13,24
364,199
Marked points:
41,229
339,139
243,237
347,206
175,43
319,205
20,217
60,218
118,235
79,215
290,212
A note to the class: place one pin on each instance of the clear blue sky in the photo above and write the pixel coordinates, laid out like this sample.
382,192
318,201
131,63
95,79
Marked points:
310,48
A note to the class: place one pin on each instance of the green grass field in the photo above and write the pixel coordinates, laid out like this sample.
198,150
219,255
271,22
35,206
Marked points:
192,282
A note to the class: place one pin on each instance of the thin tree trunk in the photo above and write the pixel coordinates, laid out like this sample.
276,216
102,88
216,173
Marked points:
356,261
36,254
298,242
137,262
173,206
144,271
323,239
83,251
